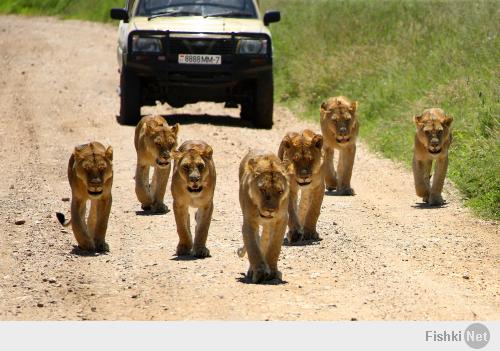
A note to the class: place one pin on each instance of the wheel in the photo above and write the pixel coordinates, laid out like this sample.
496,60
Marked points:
130,98
259,108
263,103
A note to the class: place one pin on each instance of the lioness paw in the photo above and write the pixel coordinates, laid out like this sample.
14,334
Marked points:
346,191
102,247
146,207
294,236
436,200
259,274
311,235
183,250
201,252
159,208
275,275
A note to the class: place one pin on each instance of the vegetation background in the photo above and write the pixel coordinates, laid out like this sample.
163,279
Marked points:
395,57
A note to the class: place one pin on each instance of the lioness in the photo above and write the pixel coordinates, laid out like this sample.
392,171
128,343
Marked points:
432,141
340,128
154,141
90,174
264,190
193,184
304,151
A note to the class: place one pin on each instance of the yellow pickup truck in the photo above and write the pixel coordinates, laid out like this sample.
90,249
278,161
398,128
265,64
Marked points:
185,51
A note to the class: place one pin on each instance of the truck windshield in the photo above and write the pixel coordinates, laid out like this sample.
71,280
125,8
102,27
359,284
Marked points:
206,8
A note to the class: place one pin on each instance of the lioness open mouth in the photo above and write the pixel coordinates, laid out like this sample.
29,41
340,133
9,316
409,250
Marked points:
95,193
266,217
162,163
303,183
435,152
195,190
345,140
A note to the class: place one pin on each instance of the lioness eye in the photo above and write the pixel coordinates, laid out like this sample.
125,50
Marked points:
186,167
101,165
201,166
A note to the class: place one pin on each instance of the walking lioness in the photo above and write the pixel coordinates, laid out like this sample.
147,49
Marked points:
304,151
154,141
264,189
432,141
340,128
90,174
193,185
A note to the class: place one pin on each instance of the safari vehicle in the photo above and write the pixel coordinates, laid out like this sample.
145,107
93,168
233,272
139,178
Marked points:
185,51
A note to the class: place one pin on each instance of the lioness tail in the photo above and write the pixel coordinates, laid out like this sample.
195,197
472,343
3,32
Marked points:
242,251
62,219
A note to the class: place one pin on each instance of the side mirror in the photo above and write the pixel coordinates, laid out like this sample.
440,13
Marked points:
271,17
119,14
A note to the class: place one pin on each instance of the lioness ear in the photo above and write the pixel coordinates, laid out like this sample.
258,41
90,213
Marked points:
109,153
286,143
318,141
149,129
323,108
78,150
447,120
207,153
176,155
251,165
354,106
417,119
175,129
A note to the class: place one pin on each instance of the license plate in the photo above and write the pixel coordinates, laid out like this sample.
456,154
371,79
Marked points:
191,59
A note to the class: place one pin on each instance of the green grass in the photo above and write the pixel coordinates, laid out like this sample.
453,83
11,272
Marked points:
92,10
396,58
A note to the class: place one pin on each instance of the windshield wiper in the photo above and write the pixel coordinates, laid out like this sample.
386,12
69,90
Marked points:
235,14
174,13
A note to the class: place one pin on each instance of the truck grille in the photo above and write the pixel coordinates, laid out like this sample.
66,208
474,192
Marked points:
201,46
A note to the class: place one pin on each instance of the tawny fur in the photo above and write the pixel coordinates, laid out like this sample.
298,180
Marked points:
432,142
154,142
304,152
340,128
193,185
263,194
90,175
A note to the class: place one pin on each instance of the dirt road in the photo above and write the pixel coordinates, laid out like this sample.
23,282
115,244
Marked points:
383,256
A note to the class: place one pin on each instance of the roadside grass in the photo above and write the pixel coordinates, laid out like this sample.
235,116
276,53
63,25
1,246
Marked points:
91,10
395,57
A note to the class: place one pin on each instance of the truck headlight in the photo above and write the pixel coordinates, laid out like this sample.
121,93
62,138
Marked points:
252,46
146,44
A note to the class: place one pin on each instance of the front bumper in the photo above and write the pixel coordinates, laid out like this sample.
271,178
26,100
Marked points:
164,69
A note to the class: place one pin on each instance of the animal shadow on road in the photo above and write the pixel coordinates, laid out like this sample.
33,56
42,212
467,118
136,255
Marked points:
302,242
187,258
335,193
426,206
82,253
207,119
150,213
245,280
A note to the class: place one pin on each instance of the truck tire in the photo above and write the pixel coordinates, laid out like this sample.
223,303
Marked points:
263,103
130,98
259,108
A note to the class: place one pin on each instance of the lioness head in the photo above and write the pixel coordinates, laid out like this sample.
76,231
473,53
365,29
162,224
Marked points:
93,163
433,129
192,164
161,139
268,185
339,116
304,152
